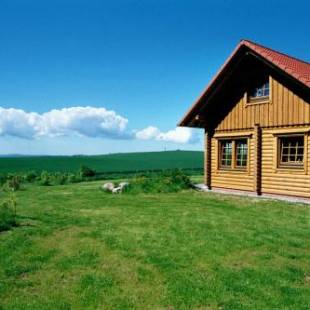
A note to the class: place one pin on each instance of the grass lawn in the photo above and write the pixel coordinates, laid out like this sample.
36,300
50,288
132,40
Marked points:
80,248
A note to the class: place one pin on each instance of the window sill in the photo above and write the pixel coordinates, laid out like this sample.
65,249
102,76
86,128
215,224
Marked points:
242,170
291,169
256,102
294,167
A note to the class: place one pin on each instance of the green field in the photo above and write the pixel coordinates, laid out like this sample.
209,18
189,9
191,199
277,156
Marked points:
127,162
79,248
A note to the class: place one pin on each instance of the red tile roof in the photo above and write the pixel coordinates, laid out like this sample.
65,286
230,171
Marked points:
298,69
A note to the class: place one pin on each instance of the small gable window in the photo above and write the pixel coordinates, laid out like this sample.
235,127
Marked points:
259,91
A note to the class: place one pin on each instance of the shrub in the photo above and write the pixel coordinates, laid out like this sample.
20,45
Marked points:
30,176
8,214
13,183
179,178
87,172
71,178
166,182
59,178
3,178
74,178
45,179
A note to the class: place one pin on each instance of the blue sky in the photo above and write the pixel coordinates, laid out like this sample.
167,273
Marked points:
145,60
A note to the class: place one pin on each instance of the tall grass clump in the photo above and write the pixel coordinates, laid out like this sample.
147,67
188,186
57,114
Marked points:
164,182
13,183
8,213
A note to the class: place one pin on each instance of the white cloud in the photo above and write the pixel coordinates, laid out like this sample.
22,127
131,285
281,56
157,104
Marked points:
178,135
18,123
84,121
148,133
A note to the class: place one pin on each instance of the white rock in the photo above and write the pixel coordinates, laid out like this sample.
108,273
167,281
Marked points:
123,184
117,190
108,186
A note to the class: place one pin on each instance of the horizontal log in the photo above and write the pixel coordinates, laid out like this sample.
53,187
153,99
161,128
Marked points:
286,189
285,193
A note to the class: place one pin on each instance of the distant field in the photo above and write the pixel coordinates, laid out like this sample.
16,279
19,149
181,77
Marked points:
124,162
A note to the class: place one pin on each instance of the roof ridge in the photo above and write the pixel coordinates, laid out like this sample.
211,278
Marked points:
243,41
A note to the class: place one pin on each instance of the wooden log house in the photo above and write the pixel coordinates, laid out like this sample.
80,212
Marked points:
256,117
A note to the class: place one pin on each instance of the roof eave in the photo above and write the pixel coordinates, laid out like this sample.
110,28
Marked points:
189,114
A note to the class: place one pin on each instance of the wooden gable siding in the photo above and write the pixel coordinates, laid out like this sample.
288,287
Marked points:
285,108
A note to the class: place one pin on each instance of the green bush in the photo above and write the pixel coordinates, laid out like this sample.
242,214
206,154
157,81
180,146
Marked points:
45,179
59,178
30,176
165,182
13,183
74,178
8,214
87,172
3,178
71,178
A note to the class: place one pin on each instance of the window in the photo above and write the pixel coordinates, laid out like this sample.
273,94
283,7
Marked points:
226,153
291,151
241,153
233,153
259,91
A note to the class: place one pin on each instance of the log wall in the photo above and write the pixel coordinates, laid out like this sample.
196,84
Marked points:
284,113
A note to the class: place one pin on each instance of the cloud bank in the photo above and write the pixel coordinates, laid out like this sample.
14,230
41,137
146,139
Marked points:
177,135
82,121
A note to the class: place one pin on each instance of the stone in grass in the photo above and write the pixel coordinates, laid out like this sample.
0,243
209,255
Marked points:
122,185
108,186
117,190
120,188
